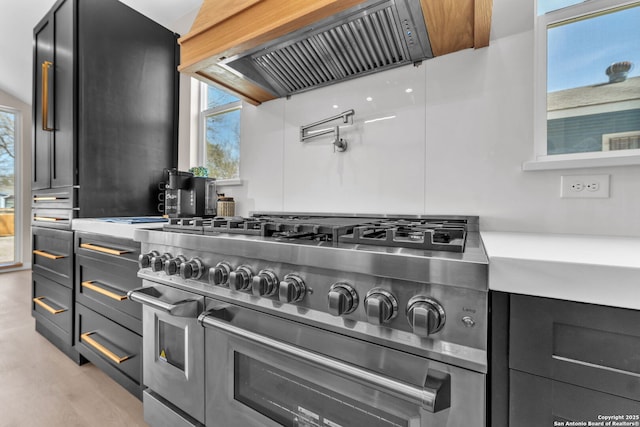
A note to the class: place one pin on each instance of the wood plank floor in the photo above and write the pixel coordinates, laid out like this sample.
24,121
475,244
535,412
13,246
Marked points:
39,385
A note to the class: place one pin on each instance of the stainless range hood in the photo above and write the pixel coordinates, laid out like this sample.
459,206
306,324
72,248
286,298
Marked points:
373,36
264,49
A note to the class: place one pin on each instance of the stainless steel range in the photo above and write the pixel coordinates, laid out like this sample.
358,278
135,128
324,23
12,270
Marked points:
315,320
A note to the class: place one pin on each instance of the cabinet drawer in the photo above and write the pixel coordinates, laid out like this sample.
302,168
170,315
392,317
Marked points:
52,304
57,198
110,346
111,249
537,401
582,344
53,254
52,218
102,286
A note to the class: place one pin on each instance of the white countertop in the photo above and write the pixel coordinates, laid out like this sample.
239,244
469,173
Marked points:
593,269
115,229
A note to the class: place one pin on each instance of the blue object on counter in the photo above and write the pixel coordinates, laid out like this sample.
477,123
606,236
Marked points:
134,220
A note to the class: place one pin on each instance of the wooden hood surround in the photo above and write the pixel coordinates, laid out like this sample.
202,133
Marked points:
227,28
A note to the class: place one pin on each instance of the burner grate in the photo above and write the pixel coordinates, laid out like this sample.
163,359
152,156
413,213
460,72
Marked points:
418,234
187,225
237,225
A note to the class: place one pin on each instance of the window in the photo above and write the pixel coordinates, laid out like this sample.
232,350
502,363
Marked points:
8,156
220,122
587,110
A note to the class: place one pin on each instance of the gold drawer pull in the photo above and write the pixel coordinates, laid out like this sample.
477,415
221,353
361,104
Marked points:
45,198
92,284
47,254
38,300
103,249
48,218
101,348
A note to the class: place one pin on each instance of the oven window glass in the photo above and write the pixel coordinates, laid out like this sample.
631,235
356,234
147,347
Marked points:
293,401
171,344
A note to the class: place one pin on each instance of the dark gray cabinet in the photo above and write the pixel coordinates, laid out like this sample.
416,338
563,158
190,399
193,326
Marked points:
105,109
108,326
570,361
52,302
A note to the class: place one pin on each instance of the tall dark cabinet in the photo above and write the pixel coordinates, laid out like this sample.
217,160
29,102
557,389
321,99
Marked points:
105,109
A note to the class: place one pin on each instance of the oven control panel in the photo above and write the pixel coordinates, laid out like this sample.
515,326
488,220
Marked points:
415,313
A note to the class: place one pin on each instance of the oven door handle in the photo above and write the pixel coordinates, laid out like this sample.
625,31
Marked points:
183,308
434,396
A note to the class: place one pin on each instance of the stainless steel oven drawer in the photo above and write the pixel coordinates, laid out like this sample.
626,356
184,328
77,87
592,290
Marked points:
173,345
112,347
103,286
264,370
160,413
53,254
115,250
52,305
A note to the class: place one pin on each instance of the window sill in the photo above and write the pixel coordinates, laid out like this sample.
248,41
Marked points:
228,182
582,160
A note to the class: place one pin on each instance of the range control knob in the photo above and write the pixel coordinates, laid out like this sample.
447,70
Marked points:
380,305
265,283
219,275
192,269
292,289
240,279
172,266
144,260
157,262
342,299
425,315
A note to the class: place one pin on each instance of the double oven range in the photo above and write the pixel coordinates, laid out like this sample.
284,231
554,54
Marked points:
315,320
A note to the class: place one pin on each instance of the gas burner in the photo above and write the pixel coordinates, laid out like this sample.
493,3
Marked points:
301,236
187,225
236,225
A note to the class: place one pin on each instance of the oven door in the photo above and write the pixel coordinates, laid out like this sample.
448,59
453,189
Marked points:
173,346
264,370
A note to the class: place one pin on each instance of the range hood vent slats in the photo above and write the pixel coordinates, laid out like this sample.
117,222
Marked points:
366,43
380,35
356,29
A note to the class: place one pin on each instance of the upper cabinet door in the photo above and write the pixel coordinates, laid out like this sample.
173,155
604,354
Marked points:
42,105
53,145
63,164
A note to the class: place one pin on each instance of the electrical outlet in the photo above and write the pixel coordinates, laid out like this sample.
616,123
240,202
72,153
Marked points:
584,186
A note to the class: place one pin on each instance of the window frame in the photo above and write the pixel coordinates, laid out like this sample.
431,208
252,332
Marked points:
205,112
17,188
542,160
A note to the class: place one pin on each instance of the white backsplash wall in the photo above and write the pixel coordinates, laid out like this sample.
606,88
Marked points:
455,146
381,158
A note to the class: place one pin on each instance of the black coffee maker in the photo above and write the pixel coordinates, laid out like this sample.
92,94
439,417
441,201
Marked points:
187,196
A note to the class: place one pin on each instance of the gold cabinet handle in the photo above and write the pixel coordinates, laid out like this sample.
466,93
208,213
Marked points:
102,249
38,300
92,284
47,198
48,218
47,254
45,95
86,337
